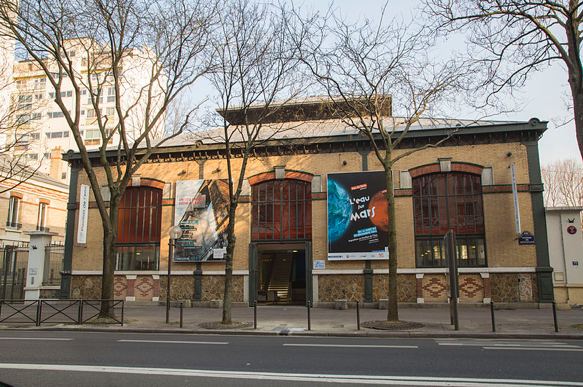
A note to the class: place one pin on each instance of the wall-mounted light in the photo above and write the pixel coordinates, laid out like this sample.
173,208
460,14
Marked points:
34,247
344,162
183,172
509,154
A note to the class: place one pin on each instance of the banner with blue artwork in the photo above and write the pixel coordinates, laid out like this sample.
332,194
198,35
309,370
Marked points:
357,216
201,212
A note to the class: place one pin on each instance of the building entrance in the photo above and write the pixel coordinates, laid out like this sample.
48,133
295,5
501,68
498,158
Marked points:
282,274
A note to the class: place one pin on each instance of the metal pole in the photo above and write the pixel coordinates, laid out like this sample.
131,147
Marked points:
170,246
357,315
39,312
492,314
122,309
181,312
255,314
555,316
309,321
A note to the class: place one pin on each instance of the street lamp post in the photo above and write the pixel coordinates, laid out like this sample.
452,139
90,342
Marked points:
175,232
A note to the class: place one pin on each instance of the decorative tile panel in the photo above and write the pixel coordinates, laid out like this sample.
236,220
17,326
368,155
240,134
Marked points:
120,288
471,287
434,288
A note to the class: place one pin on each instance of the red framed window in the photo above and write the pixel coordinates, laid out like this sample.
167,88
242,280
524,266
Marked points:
443,202
281,210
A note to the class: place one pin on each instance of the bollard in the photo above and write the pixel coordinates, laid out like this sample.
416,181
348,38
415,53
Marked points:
255,314
39,312
357,315
492,313
181,313
309,321
555,316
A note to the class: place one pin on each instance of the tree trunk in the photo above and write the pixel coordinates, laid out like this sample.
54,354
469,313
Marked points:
231,239
578,112
393,310
107,279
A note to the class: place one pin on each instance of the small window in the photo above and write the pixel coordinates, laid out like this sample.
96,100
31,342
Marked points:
42,216
13,212
36,116
35,136
110,94
63,175
33,156
65,134
110,111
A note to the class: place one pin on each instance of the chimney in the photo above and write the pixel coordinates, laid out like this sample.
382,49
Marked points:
56,163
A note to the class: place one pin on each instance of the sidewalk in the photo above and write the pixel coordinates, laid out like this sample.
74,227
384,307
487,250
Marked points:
292,320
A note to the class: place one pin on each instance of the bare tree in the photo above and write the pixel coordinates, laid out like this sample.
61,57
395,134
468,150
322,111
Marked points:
254,76
368,70
512,38
138,54
563,181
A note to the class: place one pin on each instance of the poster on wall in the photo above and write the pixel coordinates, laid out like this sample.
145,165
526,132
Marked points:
357,216
201,213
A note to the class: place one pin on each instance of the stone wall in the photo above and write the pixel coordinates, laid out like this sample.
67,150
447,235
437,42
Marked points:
407,291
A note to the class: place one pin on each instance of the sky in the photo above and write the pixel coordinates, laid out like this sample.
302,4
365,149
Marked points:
543,96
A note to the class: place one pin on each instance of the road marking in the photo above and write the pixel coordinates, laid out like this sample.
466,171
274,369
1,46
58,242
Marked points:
526,345
351,346
35,338
175,342
313,378
537,349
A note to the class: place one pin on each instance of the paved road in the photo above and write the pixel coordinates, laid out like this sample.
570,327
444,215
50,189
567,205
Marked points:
43,358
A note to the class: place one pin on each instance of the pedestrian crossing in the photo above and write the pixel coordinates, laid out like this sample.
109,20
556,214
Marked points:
510,344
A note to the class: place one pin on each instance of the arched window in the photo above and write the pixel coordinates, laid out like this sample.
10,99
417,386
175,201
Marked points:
281,210
443,202
138,229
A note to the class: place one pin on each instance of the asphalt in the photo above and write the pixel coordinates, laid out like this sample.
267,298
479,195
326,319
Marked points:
293,320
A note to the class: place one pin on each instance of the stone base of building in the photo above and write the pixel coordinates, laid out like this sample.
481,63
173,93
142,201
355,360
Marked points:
329,289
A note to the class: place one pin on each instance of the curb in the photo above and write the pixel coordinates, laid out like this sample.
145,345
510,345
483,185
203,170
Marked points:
367,333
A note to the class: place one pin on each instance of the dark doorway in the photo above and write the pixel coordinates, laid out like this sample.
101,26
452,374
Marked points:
281,278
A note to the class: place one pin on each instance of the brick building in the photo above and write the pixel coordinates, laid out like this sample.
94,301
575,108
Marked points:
307,228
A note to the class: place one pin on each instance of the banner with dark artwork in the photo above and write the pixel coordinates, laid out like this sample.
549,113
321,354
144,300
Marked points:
201,212
357,216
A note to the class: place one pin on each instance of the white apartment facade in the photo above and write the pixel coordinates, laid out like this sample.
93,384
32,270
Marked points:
43,123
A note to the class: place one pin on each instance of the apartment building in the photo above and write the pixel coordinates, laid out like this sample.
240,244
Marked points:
41,126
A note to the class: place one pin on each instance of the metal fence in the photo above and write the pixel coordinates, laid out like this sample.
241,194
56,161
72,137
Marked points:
54,254
60,311
13,268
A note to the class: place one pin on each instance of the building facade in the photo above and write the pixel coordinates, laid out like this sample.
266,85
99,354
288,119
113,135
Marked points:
311,223
40,124
566,254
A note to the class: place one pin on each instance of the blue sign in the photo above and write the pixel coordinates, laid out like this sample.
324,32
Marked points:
526,238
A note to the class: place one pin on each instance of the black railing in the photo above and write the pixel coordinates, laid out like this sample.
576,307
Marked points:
60,311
